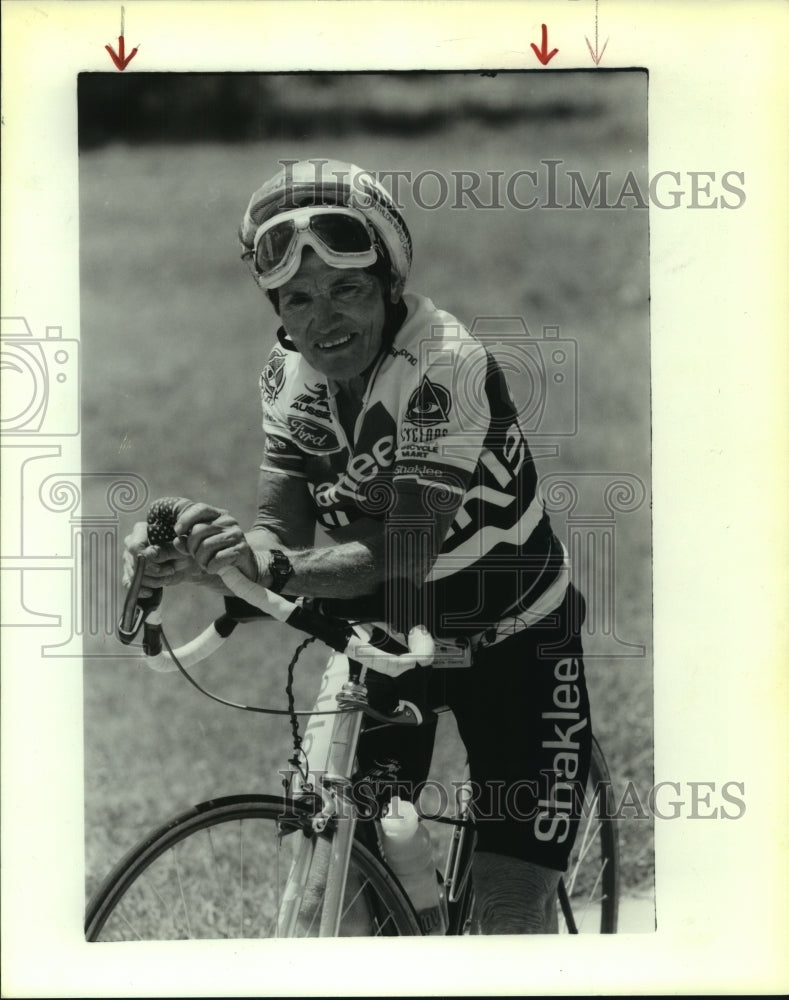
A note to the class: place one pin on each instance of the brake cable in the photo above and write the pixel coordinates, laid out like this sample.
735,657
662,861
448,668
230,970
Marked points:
291,712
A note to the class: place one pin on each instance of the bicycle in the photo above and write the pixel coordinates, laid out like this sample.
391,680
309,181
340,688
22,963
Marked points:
310,863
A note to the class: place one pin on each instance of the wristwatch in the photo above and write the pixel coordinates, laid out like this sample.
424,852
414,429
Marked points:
280,570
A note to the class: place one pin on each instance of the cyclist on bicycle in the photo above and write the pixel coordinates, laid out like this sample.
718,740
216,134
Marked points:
389,426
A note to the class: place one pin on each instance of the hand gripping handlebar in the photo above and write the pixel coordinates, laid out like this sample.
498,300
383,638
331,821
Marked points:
360,642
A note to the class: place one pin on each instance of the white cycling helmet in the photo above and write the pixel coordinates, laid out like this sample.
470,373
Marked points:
333,182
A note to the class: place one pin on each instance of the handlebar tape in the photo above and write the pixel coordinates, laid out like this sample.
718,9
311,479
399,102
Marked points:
335,635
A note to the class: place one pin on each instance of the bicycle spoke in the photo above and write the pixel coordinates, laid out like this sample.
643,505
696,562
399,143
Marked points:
356,896
591,898
215,867
181,891
588,841
590,884
362,894
241,880
380,924
132,929
162,902
221,871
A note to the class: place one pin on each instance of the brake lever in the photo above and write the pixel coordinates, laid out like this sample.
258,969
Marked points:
135,608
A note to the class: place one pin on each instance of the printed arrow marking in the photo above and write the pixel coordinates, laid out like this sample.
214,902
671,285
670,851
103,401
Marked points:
596,55
121,60
543,54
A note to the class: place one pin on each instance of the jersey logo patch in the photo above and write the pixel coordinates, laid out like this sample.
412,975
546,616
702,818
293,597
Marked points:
272,378
429,404
314,401
401,352
312,436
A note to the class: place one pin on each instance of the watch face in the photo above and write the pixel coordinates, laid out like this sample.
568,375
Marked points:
280,569
281,563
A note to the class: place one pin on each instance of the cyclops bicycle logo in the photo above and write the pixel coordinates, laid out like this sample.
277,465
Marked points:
312,436
272,377
361,469
429,404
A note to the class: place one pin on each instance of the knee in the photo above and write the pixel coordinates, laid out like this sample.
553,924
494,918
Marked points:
513,896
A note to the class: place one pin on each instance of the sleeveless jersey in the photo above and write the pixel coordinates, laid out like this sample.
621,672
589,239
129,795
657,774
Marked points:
437,426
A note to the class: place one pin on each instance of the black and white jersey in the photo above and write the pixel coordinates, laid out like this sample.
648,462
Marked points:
437,427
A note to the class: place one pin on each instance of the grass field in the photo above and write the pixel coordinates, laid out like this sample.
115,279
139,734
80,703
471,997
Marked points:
174,334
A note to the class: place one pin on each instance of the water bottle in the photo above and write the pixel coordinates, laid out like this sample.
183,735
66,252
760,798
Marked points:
409,853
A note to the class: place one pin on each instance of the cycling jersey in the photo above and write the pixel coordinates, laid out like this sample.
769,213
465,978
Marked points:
437,426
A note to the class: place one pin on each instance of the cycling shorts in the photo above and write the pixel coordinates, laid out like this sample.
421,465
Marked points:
522,712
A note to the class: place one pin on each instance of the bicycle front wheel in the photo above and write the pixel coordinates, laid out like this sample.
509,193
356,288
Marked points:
589,890
220,869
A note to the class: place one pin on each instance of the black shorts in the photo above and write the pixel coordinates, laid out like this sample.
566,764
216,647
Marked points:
522,711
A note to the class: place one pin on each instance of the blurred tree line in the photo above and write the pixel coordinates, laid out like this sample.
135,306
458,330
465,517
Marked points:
239,107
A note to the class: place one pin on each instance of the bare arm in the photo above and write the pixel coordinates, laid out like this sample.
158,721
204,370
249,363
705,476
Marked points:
285,517
369,551
361,560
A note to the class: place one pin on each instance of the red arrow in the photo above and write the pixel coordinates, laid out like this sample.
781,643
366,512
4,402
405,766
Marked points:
121,60
543,54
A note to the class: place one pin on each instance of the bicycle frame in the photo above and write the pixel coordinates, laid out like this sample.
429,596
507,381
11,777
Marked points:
329,748
334,747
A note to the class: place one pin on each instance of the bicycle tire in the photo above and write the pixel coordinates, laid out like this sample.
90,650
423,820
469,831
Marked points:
589,889
183,880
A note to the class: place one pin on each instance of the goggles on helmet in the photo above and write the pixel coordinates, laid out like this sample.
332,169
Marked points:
340,236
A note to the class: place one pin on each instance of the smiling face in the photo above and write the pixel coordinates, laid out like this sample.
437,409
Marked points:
335,317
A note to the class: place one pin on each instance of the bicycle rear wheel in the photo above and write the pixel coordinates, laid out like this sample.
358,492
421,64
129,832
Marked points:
219,871
589,890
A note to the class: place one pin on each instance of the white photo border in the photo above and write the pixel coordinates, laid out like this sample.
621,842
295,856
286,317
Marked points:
718,102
